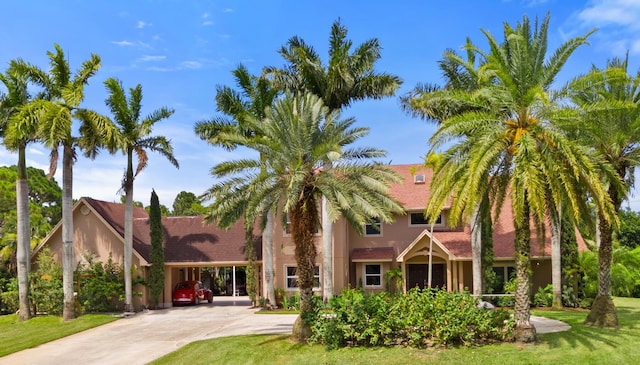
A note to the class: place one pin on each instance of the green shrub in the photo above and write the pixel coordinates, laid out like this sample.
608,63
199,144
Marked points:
101,286
46,293
9,300
544,296
420,318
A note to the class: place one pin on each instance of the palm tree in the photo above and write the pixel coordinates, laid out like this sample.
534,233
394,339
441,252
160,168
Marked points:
609,106
133,137
424,101
348,76
54,112
17,131
504,137
297,135
255,96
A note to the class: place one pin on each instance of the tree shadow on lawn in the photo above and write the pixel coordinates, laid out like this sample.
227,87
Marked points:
590,337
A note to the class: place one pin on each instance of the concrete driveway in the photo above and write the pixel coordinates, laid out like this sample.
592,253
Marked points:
149,335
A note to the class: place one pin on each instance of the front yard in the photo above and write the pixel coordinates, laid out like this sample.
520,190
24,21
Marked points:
580,345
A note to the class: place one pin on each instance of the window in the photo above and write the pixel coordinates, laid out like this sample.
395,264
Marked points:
373,275
418,179
373,228
292,277
418,219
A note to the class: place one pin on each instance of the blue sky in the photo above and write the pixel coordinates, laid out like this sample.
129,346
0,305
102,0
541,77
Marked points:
180,50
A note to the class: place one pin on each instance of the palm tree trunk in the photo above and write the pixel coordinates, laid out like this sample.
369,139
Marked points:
267,256
603,312
128,234
327,252
23,252
304,220
476,251
556,258
524,330
68,310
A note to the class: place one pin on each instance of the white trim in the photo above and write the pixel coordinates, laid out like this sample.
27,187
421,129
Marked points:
423,234
287,277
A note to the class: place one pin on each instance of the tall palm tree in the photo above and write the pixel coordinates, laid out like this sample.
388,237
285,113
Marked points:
255,96
133,137
297,135
424,101
348,76
505,137
17,132
54,112
609,106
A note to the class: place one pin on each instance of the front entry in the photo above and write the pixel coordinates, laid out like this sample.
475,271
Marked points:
418,275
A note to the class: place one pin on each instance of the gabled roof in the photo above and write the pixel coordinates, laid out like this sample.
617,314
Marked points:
186,239
414,196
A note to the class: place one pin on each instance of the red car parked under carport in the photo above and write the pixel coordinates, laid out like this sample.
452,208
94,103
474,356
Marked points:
191,292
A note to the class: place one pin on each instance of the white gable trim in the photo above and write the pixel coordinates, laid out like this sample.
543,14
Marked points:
417,240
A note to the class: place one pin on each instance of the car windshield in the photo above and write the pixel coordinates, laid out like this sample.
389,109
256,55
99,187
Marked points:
184,285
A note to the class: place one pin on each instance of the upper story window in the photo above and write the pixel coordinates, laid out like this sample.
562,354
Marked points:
373,228
418,179
418,219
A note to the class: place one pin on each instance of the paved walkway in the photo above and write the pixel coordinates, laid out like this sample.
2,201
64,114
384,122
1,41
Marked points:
150,335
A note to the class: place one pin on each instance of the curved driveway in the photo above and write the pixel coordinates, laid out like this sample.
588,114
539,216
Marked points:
149,335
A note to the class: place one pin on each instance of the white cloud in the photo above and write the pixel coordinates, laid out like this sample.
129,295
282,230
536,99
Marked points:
612,12
207,23
205,15
191,65
142,24
227,10
150,58
124,43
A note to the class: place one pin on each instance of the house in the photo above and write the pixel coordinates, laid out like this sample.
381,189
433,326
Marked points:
193,248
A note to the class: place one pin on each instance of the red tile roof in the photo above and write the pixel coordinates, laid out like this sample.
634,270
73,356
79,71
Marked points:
186,239
372,254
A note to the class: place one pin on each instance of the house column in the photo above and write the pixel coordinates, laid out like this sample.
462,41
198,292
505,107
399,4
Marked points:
235,291
449,276
454,269
461,276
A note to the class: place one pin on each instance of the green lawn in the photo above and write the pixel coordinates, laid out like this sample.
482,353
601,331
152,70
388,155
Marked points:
580,345
16,336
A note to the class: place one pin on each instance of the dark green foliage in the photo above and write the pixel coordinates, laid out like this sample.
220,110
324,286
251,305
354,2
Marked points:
9,302
252,271
187,204
570,264
101,286
156,272
629,232
486,237
420,318
44,207
46,294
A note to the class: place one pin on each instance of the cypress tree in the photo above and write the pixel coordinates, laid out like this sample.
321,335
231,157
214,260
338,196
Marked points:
156,273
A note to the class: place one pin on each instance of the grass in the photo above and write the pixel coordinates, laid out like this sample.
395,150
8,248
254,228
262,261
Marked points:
16,336
580,345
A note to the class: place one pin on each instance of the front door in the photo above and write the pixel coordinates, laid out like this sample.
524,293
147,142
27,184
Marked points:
418,275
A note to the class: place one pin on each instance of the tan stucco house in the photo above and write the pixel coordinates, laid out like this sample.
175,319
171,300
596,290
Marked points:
191,245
